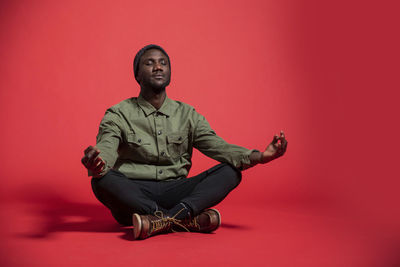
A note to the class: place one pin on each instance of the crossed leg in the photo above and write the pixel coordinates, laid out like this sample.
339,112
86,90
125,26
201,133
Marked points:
125,196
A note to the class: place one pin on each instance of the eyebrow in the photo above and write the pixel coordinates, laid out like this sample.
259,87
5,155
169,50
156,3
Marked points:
154,59
150,58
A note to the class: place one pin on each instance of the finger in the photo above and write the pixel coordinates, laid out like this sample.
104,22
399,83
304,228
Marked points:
279,145
92,164
84,160
283,145
97,162
92,158
89,151
89,148
275,139
99,167
97,171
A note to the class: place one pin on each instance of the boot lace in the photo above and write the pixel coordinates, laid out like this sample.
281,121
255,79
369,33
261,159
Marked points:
193,223
165,221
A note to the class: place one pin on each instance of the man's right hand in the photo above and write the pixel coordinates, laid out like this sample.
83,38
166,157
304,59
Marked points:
92,161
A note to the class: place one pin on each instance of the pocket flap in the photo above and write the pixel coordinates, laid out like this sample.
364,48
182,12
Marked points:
137,139
176,138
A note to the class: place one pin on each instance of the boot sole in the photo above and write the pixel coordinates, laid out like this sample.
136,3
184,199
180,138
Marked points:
137,225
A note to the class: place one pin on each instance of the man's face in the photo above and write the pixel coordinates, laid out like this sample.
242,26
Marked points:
154,70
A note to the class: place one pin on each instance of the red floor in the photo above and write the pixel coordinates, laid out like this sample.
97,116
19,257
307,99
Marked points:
325,72
52,230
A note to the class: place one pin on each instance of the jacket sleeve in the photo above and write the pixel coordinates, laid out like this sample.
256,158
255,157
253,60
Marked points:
108,139
210,144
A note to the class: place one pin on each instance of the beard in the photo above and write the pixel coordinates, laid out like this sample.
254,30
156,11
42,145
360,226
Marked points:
155,86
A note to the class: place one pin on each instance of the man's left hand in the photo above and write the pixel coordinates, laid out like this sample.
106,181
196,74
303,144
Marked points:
275,149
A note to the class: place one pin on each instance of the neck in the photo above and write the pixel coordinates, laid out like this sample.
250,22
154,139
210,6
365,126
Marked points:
156,99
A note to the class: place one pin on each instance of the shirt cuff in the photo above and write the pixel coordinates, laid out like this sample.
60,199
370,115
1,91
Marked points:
245,161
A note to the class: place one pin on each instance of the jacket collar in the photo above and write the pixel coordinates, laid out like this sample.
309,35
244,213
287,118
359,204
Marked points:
166,108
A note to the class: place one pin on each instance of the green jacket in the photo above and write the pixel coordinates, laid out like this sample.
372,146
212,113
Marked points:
145,143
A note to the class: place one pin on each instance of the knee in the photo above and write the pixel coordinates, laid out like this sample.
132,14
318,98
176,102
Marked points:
99,184
232,174
111,184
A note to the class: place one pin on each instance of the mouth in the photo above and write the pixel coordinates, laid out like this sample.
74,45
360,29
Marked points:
158,76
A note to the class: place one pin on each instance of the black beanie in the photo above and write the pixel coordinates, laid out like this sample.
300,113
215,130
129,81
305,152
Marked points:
140,53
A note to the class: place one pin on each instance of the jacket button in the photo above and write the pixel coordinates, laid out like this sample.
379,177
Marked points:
162,153
139,140
159,132
160,171
180,138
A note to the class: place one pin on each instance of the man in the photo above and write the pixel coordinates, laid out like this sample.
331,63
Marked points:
143,155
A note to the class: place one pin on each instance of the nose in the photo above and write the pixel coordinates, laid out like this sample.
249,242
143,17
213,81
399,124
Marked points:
157,66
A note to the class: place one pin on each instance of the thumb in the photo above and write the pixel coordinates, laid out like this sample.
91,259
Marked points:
275,139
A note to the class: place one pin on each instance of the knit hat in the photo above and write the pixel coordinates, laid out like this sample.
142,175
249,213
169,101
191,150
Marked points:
140,54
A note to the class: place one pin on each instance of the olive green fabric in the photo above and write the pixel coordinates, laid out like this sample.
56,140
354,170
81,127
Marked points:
145,143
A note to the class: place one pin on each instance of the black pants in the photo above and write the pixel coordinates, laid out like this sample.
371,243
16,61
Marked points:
125,196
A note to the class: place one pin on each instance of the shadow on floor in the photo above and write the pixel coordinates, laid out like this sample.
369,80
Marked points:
234,226
53,213
56,213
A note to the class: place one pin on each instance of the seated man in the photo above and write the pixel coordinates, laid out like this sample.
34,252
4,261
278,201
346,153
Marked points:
143,155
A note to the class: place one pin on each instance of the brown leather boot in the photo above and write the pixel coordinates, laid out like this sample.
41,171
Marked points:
207,221
147,225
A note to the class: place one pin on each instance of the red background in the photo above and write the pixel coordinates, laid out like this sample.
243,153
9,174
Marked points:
325,73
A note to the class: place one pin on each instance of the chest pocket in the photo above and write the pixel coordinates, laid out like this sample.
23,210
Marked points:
138,147
177,144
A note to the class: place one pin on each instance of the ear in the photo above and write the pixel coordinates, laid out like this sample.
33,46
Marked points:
138,76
